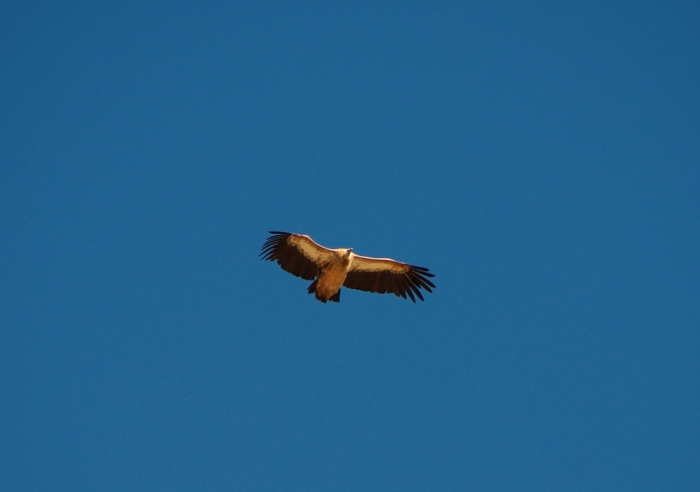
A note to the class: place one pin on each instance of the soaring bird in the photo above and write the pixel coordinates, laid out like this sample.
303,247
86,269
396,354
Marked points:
331,269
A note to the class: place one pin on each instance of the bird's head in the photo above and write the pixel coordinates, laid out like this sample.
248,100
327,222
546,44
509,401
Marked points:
347,254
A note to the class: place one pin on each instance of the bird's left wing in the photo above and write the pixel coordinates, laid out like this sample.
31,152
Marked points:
384,275
296,253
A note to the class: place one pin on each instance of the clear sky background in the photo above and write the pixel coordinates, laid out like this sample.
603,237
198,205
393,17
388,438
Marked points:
541,159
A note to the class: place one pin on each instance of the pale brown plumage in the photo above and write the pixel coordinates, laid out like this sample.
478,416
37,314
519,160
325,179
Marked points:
331,269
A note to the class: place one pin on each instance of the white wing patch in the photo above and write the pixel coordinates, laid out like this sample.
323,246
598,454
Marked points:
310,249
367,264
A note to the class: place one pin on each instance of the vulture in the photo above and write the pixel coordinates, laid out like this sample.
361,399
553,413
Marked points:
331,269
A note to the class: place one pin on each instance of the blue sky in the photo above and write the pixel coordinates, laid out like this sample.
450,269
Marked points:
541,159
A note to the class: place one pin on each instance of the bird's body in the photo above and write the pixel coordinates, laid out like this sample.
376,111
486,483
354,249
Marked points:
331,269
332,276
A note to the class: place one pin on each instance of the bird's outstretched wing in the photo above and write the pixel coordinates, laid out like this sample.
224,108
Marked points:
296,253
384,275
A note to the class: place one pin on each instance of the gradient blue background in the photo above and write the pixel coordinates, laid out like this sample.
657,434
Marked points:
541,159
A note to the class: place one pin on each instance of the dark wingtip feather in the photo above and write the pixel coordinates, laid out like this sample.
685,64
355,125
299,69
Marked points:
271,244
417,291
427,283
410,294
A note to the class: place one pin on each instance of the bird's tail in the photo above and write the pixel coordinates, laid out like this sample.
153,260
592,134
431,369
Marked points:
312,290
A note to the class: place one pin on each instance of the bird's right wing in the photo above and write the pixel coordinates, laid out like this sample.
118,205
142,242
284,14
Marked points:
296,253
